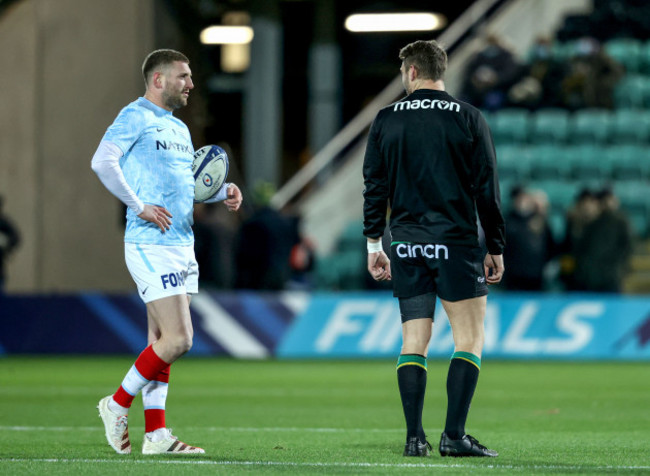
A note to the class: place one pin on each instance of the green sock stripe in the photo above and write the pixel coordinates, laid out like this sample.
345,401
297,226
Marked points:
412,359
469,357
400,243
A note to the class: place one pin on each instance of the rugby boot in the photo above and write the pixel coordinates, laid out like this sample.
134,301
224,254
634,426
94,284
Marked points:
415,447
465,446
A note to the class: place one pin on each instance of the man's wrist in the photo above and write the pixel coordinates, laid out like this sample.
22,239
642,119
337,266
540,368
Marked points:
374,246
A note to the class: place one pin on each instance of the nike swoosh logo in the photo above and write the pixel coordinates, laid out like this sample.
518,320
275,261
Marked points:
144,291
160,129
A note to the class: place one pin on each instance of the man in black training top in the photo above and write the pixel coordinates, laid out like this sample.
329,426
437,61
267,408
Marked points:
431,158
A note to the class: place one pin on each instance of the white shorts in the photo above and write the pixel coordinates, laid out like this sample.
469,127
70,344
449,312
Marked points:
161,271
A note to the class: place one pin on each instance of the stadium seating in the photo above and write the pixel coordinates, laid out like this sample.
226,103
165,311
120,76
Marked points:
589,126
630,126
562,51
633,195
510,126
559,152
345,268
548,163
587,162
513,162
644,61
549,126
561,194
632,92
627,51
628,162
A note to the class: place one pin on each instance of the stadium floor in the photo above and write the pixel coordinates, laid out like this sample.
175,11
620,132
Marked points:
326,417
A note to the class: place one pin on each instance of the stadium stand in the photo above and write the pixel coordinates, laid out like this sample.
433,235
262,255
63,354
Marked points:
563,150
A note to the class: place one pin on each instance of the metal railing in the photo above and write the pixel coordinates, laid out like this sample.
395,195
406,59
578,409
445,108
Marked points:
450,38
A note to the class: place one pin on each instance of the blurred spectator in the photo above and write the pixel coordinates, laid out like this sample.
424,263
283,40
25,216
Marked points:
603,250
215,229
530,244
541,85
302,257
9,240
264,245
591,77
583,212
490,74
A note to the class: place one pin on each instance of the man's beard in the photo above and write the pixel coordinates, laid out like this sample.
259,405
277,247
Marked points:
173,101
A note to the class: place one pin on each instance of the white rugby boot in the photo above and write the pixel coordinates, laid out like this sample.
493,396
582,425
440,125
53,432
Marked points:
116,426
169,444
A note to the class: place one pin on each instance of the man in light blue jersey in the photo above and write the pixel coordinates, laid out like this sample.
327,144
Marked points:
145,159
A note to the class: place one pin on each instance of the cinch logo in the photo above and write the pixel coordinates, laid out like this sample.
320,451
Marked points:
427,104
173,279
173,146
407,250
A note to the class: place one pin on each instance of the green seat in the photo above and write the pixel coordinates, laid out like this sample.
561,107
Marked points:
630,126
644,60
561,194
513,162
562,51
341,270
627,51
632,92
633,195
628,162
549,125
510,125
352,238
590,125
588,162
548,163
557,222
506,186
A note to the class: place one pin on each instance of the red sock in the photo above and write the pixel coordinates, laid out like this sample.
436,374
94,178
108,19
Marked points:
146,367
154,418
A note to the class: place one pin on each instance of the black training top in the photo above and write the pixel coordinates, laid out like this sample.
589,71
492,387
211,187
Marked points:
432,157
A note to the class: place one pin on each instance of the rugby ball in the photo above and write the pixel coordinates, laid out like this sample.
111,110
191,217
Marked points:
210,169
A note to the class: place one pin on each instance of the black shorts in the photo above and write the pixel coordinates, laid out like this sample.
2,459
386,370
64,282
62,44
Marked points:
453,272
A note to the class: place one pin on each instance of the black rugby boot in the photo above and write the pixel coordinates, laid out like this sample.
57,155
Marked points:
465,446
415,447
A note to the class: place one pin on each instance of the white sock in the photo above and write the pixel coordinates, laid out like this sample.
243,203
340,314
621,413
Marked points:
157,435
117,408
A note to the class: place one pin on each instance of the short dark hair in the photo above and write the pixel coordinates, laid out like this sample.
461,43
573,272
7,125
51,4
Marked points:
159,58
428,57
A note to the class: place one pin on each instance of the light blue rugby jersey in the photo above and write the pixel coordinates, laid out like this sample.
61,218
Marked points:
157,164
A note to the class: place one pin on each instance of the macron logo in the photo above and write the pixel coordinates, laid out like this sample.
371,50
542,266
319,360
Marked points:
427,104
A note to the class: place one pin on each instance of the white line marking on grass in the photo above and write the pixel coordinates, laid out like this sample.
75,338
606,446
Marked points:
325,465
50,428
215,429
